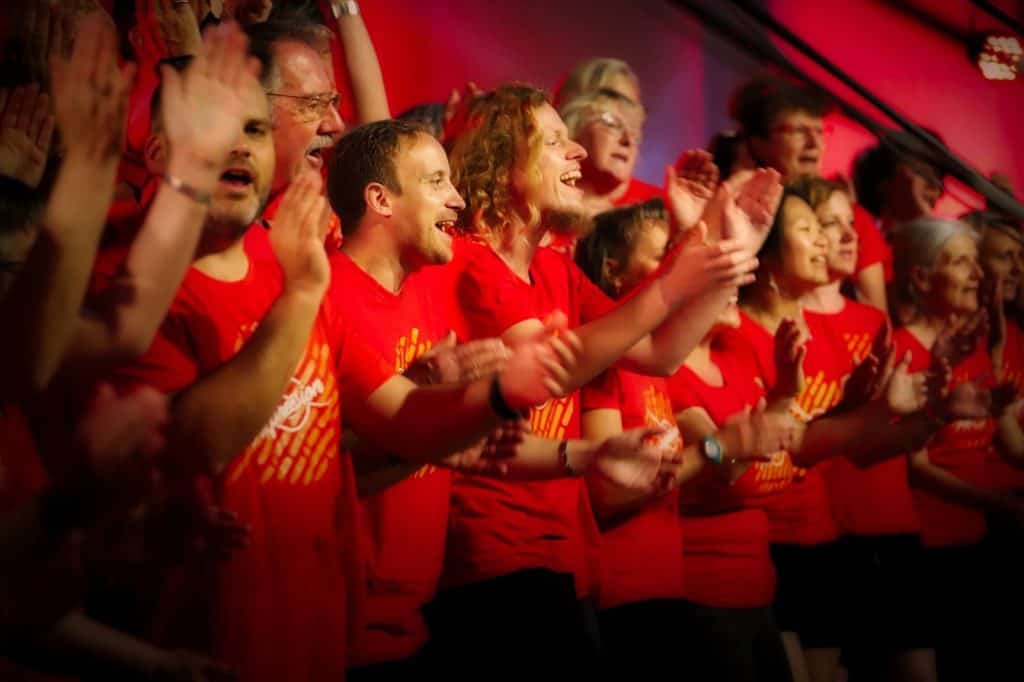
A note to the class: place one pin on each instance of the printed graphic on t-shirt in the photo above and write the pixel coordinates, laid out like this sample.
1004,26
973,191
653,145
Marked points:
408,349
818,396
859,345
299,440
551,419
658,415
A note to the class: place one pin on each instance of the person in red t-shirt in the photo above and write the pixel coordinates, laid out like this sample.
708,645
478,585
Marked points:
518,552
643,563
938,274
794,263
870,502
782,125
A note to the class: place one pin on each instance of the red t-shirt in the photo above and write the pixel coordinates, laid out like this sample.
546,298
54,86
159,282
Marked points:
278,609
637,192
874,500
1006,476
402,527
641,555
499,527
800,513
726,560
871,245
963,448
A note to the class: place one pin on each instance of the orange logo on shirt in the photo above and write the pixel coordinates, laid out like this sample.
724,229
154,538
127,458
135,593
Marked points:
409,347
858,344
818,396
658,415
301,438
551,419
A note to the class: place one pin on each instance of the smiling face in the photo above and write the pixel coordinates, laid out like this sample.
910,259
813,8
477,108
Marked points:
304,129
1002,256
611,135
950,287
546,180
835,216
427,204
794,146
648,250
802,258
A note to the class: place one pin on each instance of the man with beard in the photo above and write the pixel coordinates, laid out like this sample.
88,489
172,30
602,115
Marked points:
519,553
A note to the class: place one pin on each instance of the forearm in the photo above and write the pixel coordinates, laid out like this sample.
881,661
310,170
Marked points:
663,353
865,436
364,74
129,316
46,298
537,459
949,487
211,420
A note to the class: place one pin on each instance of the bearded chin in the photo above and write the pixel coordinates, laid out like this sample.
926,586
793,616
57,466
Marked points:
566,223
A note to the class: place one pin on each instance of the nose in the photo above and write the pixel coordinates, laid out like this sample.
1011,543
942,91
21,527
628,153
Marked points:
331,124
575,151
848,234
454,201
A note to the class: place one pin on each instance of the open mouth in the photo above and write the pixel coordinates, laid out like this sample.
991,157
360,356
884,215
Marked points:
445,225
237,179
315,157
819,260
571,178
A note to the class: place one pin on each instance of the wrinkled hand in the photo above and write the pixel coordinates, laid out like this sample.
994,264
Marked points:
756,436
744,207
790,349
448,363
26,129
695,268
204,108
186,666
907,393
632,461
491,456
297,237
688,186
164,29
541,367
90,93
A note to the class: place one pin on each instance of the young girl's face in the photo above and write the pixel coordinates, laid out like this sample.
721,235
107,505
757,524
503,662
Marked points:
646,256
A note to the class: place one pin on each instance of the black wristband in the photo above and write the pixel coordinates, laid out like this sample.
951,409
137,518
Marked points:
498,404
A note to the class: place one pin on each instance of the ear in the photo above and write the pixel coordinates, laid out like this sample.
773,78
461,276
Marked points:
155,153
378,199
610,270
921,278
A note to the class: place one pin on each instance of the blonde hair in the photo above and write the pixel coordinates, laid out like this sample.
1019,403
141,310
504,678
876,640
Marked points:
591,75
578,110
502,125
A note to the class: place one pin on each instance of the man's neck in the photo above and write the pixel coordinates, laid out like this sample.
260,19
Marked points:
826,299
222,259
516,246
377,255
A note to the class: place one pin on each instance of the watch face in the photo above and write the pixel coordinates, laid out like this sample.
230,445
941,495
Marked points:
712,449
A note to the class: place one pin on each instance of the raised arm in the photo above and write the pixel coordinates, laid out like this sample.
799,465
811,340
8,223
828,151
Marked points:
364,74
203,119
44,302
208,419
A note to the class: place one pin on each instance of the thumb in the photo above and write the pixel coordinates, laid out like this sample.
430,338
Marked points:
556,322
761,406
904,362
670,176
448,341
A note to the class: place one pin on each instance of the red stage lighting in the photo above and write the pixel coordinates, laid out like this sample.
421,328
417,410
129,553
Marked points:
999,56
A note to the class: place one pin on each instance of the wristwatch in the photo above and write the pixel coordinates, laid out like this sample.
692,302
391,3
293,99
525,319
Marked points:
344,8
711,448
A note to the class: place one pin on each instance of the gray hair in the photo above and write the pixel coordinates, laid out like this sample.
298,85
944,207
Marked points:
591,75
577,111
918,244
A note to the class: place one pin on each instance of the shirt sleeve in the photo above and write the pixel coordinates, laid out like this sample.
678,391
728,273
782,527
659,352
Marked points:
871,245
169,365
489,303
594,303
681,391
361,371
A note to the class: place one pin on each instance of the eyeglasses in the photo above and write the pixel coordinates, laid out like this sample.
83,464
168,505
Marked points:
806,131
313,106
618,126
